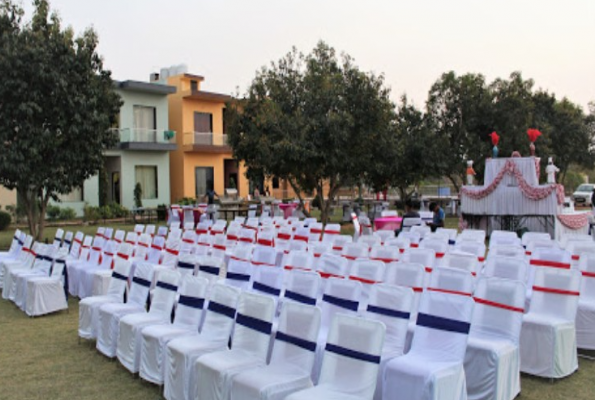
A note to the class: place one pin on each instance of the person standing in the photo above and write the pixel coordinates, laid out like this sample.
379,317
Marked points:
211,194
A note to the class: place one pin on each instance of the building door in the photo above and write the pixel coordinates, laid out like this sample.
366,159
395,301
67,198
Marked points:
116,187
230,174
204,179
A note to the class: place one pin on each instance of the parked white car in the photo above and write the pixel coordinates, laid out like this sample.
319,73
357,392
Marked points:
582,194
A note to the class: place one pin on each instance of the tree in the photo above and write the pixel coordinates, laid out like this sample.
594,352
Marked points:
56,107
314,120
460,109
414,153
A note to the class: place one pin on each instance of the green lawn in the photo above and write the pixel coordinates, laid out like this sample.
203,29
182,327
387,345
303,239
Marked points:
41,358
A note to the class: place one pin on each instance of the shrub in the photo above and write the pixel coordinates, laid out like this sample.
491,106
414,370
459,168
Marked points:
117,210
4,220
53,211
91,213
138,192
67,213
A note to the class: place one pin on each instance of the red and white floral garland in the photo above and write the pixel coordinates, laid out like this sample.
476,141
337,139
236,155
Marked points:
531,192
574,221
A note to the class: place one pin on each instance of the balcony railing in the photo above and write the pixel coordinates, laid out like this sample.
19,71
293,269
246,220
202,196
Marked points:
138,135
205,139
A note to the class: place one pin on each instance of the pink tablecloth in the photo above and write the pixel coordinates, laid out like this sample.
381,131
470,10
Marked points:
288,209
387,223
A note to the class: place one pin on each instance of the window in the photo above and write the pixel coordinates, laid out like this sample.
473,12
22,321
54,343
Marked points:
203,122
74,196
224,124
275,183
194,86
145,117
204,180
146,175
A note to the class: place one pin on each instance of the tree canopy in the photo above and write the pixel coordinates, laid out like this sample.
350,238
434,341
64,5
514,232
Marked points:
57,104
315,120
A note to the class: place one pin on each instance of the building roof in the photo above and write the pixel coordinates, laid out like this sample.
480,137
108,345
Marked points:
145,87
192,76
208,96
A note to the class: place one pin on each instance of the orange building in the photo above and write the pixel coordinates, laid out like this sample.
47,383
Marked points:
203,159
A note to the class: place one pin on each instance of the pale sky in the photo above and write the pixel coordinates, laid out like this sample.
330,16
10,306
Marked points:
411,41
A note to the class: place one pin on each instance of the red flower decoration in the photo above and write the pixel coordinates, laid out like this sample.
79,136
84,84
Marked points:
533,134
495,138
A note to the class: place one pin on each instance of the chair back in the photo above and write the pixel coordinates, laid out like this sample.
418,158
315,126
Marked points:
164,295
556,293
392,306
254,323
302,287
442,327
297,332
499,308
352,356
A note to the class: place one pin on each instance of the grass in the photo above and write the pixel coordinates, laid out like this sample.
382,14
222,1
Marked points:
40,358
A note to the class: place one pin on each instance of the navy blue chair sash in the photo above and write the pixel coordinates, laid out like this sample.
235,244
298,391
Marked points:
185,265
222,309
167,286
119,276
238,277
254,323
443,324
261,287
357,355
343,303
141,281
300,298
193,302
388,312
209,269
302,343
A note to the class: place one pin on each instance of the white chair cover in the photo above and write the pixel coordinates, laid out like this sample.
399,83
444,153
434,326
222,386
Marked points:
156,250
268,281
331,231
464,261
573,237
182,353
369,273
339,242
507,251
392,306
507,268
87,276
451,280
187,321
189,239
386,254
39,265
186,264
577,249
303,260
129,342
351,359
210,268
585,316
302,287
340,296
47,294
426,257
76,269
250,344
111,313
370,240
433,368
439,246
473,247
402,243
492,359
452,234
239,274
162,231
264,256
548,338
423,230
531,236
89,307
315,233
291,361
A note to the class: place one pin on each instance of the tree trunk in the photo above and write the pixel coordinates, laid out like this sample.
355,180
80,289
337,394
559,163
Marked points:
298,193
453,180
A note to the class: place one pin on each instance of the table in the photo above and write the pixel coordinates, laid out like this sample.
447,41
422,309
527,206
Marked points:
288,209
234,211
387,223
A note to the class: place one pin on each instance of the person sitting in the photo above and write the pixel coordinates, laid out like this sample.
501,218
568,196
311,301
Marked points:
410,212
438,220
